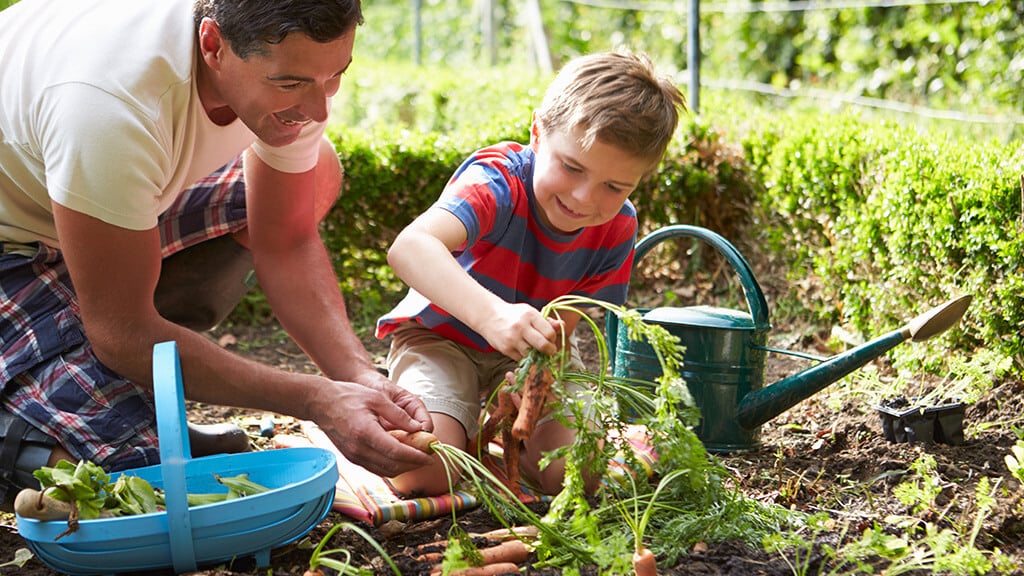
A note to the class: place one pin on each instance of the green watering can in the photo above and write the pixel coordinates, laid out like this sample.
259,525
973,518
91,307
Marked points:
725,352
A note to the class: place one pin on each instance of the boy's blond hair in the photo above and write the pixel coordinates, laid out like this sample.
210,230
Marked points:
617,98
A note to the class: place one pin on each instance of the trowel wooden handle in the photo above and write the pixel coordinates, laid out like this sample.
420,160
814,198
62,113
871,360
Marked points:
30,503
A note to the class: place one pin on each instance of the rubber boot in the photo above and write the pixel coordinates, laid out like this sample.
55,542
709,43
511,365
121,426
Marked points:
201,285
23,450
222,438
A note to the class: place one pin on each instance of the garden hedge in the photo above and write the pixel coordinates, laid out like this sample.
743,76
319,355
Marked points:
887,220
893,220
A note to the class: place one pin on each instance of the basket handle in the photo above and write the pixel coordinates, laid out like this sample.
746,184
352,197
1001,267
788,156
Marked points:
175,451
751,289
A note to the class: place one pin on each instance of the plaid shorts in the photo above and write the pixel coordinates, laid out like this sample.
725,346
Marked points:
48,371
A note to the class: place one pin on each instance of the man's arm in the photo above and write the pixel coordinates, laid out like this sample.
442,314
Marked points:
294,269
115,270
298,278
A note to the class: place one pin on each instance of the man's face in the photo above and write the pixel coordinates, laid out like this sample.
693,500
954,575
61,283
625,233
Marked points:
277,93
574,187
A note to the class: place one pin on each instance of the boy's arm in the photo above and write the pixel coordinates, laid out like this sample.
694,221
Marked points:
421,256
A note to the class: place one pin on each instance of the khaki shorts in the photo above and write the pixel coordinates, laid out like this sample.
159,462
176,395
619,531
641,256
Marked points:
451,378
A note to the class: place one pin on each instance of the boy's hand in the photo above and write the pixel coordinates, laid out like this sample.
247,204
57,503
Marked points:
514,329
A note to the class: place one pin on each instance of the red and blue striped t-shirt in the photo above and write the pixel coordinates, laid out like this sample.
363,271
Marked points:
512,253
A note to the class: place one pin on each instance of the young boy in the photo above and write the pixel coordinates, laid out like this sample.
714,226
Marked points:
516,227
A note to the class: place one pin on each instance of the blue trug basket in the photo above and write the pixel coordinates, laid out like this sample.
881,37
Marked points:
301,481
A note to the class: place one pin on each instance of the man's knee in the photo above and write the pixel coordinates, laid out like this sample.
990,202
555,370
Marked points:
201,285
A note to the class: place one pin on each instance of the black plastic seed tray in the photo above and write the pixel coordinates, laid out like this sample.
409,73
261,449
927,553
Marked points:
943,424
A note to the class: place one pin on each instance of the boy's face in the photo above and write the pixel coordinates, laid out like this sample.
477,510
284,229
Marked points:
575,188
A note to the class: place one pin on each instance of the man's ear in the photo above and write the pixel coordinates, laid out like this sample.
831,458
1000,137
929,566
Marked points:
211,43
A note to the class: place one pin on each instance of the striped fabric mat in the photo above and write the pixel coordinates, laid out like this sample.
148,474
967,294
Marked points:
367,497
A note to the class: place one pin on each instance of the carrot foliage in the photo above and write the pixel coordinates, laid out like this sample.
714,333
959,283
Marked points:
678,500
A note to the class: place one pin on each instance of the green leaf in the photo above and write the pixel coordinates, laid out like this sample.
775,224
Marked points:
21,557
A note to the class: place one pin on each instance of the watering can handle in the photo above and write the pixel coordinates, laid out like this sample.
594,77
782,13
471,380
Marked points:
751,289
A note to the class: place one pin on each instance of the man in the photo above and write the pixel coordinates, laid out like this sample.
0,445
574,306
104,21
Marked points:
110,112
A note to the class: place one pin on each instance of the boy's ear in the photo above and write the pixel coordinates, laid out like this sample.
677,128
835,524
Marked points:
534,131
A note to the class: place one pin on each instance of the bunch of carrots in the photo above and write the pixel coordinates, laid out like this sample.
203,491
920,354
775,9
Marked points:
511,549
535,379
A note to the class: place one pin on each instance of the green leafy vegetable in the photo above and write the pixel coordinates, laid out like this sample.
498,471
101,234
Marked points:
89,490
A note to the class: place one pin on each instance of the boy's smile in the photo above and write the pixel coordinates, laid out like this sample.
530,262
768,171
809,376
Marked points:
575,188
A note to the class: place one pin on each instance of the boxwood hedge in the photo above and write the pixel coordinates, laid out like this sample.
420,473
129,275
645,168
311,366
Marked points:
883,219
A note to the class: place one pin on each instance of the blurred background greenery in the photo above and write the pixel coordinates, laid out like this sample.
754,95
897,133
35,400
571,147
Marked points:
962,56
864,154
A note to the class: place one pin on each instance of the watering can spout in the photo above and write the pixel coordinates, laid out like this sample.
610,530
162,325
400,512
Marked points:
725,351
760,406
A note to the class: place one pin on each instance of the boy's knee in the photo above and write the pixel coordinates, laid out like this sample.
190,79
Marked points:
431,480
550,479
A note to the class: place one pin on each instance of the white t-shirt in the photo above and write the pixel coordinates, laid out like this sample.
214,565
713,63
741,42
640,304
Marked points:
99,113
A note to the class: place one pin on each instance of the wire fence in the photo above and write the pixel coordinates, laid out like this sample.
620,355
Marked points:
694,8
864,101
752,7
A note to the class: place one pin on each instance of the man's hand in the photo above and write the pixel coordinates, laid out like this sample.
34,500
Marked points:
357,417
407,401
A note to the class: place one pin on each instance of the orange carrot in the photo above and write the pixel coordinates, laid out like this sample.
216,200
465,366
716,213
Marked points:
536,387
644,563
514,551
312,573
420,440
497,535
508,552
430,557
498,419
427,546
486,570
510,449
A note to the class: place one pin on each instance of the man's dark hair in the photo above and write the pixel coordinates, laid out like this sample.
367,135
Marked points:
249,25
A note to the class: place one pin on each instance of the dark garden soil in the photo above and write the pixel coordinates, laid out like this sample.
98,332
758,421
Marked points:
826,454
